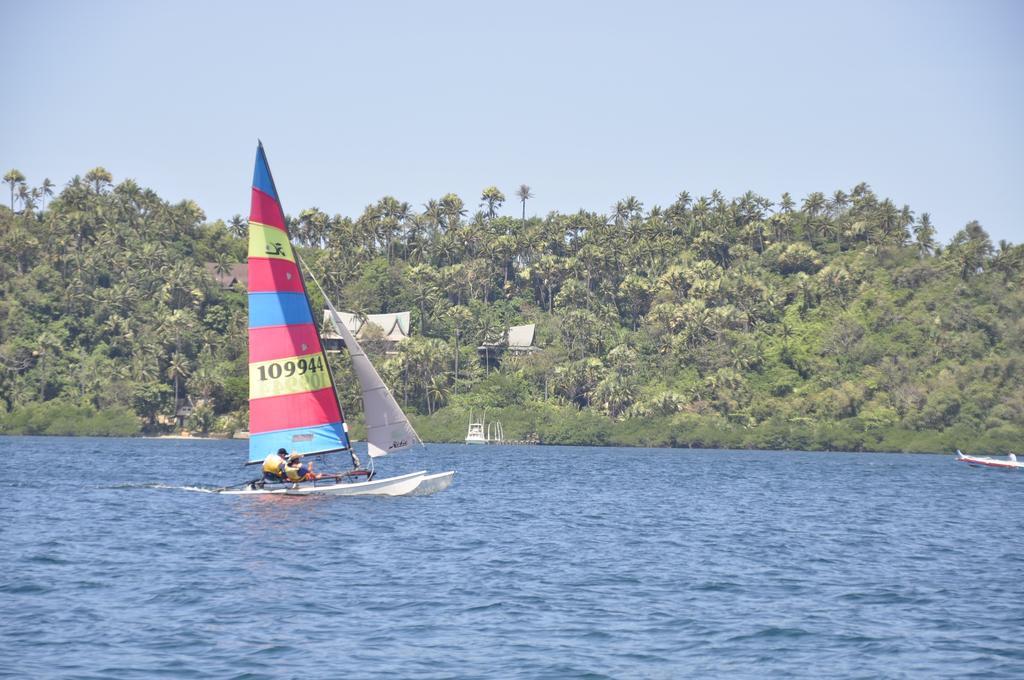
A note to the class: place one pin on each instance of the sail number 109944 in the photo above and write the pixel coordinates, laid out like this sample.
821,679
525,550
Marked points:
275,370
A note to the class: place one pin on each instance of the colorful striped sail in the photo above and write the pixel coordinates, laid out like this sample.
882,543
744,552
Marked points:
292,402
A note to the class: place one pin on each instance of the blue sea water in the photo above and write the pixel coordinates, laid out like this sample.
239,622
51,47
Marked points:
538,562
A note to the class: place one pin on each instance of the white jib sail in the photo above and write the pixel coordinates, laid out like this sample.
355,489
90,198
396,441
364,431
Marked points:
387,428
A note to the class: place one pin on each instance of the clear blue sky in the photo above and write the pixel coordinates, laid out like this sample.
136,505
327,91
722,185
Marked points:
586,102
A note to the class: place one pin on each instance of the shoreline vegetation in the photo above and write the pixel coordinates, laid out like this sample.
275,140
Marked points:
570,429
836,322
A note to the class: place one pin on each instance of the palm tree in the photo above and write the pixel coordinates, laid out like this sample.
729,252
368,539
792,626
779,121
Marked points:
636,293
905,220
888,218
804,286
48,344
177,369
100,178
861,192
492,198
970,248
786,333
425,291
681,205
786,203
549,270
459,317
453,210
615,394
503,247
524,195
14,178
635,207
437,392
237,226
1008,258
838,202
434,215
813,205
924,235
576,381
46,190
222,264
27,197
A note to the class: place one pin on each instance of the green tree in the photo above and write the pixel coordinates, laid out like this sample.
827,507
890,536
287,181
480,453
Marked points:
524,194
14,178
100,179
492,198
924,236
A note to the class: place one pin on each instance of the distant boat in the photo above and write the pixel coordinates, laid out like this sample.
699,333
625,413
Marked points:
475,434
1011,462
293,403
485,433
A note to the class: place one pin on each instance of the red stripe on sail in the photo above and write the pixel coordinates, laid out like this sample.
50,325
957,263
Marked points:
273,275
305,409
265,210
282,342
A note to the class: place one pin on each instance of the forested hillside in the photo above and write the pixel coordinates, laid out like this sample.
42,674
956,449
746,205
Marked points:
832,322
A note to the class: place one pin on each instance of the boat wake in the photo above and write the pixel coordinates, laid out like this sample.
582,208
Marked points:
171,487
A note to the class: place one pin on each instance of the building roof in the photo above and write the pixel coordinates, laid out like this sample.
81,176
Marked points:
239,273
521,337
517,338
394,326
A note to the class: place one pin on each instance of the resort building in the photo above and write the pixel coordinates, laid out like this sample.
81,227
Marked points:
515,340
238,274
383,330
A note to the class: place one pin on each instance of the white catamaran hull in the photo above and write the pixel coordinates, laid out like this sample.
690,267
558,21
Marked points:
390,486
1011,462
439,481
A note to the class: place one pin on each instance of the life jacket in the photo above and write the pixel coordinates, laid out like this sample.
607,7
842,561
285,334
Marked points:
296,473
273,465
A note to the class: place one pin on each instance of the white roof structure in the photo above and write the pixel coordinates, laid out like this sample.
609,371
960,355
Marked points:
394,326
517,339
521,337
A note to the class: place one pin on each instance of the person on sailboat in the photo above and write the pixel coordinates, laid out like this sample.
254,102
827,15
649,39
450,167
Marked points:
297,471
274,466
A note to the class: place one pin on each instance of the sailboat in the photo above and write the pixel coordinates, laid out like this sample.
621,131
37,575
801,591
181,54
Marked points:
1011,462
293,403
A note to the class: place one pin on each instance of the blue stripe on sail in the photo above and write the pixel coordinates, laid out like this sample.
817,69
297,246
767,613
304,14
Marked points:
278,309
310,440
261,174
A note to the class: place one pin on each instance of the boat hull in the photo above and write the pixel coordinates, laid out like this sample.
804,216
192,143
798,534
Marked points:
439,481
402,485
1011,463
988,462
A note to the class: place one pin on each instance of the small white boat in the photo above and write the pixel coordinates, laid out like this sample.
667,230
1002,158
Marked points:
475,434
484,432
1010,463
